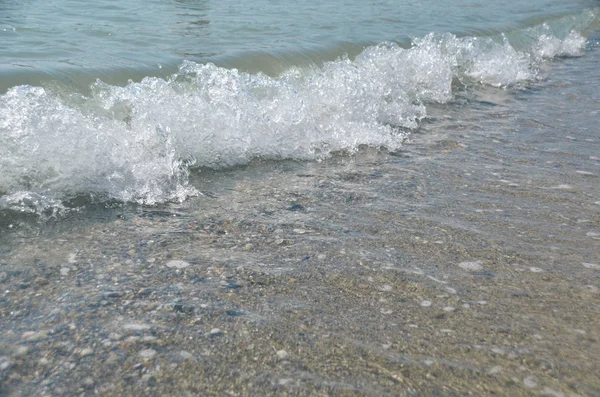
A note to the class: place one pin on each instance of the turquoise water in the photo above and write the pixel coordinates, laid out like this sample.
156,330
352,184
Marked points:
115,40
121,101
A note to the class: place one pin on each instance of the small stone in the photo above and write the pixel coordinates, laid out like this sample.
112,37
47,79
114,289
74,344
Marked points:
137,327
497,350
21,351
471,266
426,303
177,264
147,353
131,340
186,355
64,271
282,354
4,363
495,370
449,309
215,332
41,281
552,393
535,270
591,265
530,381
386,288
88,383
86,352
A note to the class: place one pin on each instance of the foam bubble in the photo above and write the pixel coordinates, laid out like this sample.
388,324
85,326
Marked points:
137,143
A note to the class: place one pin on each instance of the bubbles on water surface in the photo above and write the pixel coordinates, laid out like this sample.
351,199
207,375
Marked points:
137,143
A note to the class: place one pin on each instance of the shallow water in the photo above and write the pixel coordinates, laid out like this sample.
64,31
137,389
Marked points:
466,260
415,220
139,142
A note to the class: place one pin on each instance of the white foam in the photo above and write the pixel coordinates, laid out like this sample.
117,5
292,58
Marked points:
137,143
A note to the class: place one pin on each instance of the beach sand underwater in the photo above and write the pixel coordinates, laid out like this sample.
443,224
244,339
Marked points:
448,245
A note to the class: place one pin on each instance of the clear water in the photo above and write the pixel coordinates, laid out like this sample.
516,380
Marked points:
122,101
70,40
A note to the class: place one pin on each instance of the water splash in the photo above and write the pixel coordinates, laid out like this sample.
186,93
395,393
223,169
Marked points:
137,143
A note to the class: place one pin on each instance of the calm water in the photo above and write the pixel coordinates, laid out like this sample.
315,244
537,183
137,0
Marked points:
218,84
116,40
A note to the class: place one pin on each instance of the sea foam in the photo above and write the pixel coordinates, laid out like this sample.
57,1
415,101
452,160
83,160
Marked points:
137,143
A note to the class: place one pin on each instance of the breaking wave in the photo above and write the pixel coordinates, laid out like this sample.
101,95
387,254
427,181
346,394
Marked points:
137,143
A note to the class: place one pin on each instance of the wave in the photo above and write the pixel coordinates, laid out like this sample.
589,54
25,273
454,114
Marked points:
138,142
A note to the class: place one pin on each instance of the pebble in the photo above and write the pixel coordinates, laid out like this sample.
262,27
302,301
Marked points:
4,363
88,383
21,351
497,350
177,264
581,172
495,370
215,331
552,393
449,309
31,336
591,265
530,381
64,271
472,266
86,352
426,303
186,355
147,353
136,327
535,269
282,354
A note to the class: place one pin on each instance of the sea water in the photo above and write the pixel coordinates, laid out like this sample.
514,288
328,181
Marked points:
124,101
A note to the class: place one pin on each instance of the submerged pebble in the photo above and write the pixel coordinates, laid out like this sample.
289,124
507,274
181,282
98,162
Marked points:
591,265
147,353
177,264
471,266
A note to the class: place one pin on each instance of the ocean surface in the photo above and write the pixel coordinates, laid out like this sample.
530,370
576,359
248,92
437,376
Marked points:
129,102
